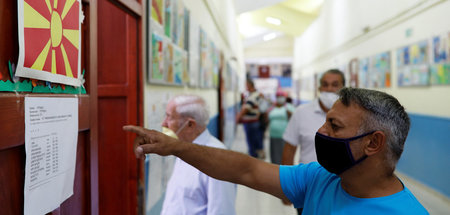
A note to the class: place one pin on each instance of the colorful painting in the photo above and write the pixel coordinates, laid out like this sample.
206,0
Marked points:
157,11
186,29
179,40
194,53
440,74
402,56
440,52
178,66
50,41
414,75
185,68
168,62
168,18
157,72
205,64
380,73
214,58
353,67
418,53
412,65
363,74
175,33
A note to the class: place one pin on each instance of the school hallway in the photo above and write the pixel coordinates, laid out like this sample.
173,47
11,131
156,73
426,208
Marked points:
252,202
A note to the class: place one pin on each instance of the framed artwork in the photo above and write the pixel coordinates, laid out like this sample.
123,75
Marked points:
157,59
157,12
174,21
214,58
413,65
440,68
440,51
353,67
205,64
440,74
363,73
168,62
185,63
168,18
382,70
194,53
178,67
186,29
180,25
414,75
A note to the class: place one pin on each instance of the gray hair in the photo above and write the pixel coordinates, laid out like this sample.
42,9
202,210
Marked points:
192,106
385,113
336,72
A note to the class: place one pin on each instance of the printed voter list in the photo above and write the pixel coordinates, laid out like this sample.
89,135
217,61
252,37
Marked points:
51,129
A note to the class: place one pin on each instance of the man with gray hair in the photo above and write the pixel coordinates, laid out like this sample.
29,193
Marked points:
357,149
190,191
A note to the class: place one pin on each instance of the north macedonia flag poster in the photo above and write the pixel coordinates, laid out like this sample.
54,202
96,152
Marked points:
50,40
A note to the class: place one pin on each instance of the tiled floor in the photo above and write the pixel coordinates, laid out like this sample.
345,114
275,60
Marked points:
251,202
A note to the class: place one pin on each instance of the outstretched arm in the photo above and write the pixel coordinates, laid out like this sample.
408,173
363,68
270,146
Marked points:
218,163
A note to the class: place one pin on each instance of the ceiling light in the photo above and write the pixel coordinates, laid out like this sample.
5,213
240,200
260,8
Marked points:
273,21
270,36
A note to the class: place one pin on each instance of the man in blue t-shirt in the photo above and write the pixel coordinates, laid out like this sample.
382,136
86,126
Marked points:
357,150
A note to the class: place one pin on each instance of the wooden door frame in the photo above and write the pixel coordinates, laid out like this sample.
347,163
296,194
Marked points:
93,103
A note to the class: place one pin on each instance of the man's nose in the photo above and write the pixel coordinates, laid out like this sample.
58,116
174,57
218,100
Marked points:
323,130
330,89
164,123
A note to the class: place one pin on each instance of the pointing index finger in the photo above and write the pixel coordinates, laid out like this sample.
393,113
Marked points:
136,129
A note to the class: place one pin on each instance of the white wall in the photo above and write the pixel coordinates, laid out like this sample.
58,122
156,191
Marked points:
337,36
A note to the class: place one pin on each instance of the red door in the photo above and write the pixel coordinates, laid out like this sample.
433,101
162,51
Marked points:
118,97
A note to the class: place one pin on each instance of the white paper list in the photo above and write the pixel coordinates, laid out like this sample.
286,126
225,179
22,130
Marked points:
51,131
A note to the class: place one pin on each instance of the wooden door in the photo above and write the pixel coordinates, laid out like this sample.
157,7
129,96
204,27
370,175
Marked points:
119,99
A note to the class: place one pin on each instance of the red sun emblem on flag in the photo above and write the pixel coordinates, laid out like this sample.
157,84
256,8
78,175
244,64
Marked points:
51,36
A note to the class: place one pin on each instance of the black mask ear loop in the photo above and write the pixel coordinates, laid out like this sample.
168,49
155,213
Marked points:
347,145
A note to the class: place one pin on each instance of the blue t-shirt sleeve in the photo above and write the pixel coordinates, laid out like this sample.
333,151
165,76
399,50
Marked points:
294,181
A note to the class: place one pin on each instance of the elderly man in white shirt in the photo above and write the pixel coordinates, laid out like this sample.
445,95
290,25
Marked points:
308,118
190,191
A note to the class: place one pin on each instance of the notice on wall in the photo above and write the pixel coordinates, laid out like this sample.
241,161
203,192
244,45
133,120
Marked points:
51,131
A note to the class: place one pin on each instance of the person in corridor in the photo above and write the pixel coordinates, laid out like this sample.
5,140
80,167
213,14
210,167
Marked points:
250,116
357,148
190,191
308,118
278,116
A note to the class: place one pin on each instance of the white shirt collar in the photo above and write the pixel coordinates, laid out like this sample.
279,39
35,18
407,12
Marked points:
202,138
317,107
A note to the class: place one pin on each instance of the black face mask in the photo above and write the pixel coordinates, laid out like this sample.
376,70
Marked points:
334,154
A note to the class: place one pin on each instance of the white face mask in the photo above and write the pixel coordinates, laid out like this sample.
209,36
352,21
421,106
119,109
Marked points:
328,99
281,100
170,133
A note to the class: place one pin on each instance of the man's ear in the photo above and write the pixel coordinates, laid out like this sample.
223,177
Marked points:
191,123
376,144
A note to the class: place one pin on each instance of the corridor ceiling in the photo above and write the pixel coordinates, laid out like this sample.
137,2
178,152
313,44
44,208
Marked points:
291,17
